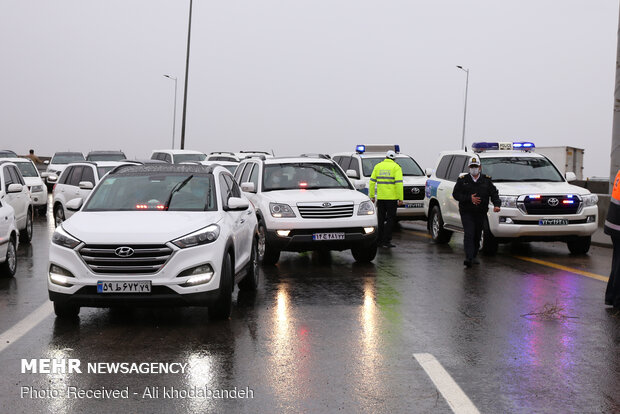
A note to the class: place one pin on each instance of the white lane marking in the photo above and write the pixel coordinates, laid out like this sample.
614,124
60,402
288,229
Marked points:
24,326
452,393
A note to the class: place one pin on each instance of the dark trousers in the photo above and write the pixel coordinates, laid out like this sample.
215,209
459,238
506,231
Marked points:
472,225
612,293
386,216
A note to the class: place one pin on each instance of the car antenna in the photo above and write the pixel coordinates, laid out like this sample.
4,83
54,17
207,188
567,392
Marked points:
273,153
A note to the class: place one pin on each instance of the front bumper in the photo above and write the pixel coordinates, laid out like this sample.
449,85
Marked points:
39,199
159,296
413,210
301,240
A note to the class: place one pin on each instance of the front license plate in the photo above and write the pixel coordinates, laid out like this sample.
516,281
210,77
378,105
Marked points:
124,287
328,236
552,222
414,205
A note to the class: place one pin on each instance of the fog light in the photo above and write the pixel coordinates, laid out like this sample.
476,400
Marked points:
60,276
506,220
199,275
283,233
198,280
369,230
590,219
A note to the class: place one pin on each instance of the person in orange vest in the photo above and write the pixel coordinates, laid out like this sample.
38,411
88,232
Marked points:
612,227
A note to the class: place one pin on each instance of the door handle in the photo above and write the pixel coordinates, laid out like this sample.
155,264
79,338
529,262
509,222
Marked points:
242,221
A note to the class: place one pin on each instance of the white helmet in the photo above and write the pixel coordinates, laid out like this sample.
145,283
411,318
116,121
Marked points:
391,154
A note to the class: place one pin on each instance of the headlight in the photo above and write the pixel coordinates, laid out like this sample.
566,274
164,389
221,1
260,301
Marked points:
203,236
64,239
366,208
281,210
589,200
36,189
508,201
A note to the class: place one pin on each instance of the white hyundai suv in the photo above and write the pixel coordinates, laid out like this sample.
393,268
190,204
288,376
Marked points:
14,192
359,166
305,204
156,235
8,240
538,203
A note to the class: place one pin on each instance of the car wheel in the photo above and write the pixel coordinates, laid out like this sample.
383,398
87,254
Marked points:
438,234
250,281
364,254
580,245
25,236
9,267
488,241
271,256
62,310
221,309
262,241
59,215
42,210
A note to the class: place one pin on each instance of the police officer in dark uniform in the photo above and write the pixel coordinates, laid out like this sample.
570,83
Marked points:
473,192
612,227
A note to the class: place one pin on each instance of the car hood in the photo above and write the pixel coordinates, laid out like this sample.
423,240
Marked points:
550,188
293,197
136,227
56,167
31,181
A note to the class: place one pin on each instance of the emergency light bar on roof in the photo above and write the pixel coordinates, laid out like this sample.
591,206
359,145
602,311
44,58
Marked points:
502,146
360,149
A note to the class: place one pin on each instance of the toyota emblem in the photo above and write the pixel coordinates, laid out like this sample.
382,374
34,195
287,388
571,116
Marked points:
327,205
415,190
553,202
124,251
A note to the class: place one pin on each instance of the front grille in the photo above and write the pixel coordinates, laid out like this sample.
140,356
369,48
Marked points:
552,204
144,260
325,210
414,192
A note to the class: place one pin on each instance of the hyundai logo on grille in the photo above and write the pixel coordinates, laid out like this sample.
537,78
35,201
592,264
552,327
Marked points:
415,190
327,204
553,202
123,251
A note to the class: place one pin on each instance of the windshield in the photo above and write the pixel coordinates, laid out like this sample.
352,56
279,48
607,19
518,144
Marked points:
27,169
222,158
520,169
179,158
150,192
7,154
309,176
408,165
231,168
66,158
106,157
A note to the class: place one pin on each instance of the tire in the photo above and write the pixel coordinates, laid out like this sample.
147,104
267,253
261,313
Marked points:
9,266
580,245
271,256
221,309
439,235
489,242
250,281
65,311
262,240
364,254
25,236
59,215
42,210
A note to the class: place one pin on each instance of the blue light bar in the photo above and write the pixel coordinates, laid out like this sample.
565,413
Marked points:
484,146
523,145
397,148
360,149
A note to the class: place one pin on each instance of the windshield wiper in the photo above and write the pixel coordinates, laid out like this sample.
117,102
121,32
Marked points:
176,188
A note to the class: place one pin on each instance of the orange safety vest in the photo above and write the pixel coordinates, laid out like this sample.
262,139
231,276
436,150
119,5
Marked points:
612,223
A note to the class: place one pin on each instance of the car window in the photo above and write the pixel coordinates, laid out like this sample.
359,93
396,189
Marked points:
442,168
254,176
246,173
64,176
168,158
239,171
224,191
27,169
66,158
303,175
355,165
75,177
88,175
155,156
457,167
346,162
337,159
235,191
18,176
8,180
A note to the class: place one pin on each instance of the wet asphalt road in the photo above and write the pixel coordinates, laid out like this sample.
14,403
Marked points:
324,334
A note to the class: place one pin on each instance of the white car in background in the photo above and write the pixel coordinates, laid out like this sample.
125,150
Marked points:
223,156
242,155
8,240
156,235
38,189
14,192
177,156
58,163
77,181
305,204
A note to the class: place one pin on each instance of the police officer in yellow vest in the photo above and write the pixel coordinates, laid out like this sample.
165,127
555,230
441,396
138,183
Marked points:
612,227
387,177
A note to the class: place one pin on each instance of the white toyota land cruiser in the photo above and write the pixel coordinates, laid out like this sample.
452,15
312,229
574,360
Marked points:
307,203
155,235
538,203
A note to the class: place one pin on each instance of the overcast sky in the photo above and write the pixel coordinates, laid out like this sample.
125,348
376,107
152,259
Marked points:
307,75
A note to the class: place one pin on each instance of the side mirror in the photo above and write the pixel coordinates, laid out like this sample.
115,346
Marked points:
46,162
86,185
14,188
248,187
45,175
428,172
52,178
236,203
353,174
75,204
570,176
360,186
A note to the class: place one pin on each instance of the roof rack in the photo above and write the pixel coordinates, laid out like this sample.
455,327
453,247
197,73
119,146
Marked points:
223,152
255,152
259,156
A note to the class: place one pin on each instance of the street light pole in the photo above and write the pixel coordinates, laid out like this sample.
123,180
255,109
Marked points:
465,110
174,114
189,36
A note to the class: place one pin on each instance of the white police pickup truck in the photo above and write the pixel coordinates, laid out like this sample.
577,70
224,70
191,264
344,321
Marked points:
359,165
538,203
